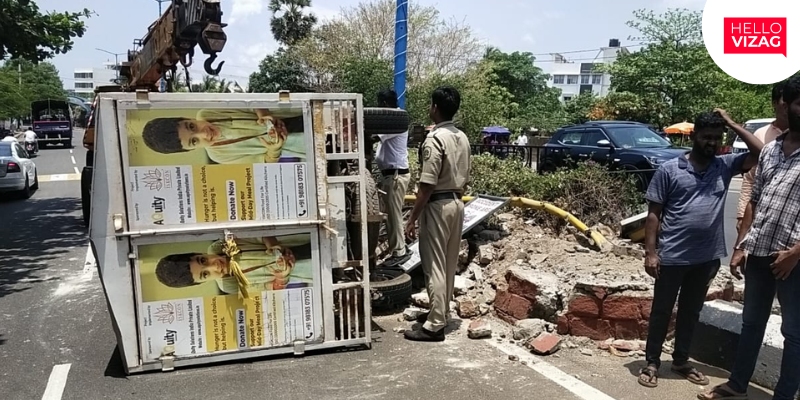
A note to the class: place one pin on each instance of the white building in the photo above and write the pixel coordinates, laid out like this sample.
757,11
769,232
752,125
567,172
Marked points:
581,77
86,79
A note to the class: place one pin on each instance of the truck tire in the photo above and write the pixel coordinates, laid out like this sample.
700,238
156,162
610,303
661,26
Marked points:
67,143
89,158
385,121
86,194
391,288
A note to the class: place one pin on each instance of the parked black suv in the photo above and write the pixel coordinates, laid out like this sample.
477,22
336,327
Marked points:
618,145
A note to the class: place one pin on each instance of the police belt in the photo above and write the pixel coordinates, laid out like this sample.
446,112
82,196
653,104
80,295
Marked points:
390,172
444,196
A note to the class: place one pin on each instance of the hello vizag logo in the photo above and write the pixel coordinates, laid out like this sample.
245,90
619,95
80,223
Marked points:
755,36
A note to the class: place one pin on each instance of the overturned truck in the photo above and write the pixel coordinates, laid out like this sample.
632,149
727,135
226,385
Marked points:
232,226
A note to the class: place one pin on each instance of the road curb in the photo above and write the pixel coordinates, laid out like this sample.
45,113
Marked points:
717,335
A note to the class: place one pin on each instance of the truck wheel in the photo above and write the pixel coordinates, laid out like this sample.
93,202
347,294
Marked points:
391,288
86,194
90,158
385,121
67,143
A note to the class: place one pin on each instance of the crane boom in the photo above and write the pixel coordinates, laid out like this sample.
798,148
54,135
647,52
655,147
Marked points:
171,41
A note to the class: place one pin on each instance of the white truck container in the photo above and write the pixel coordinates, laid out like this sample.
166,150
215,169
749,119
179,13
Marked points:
218,230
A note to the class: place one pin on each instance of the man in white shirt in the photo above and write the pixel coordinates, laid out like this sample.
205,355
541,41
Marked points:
392,160
522,140
30,137
766,134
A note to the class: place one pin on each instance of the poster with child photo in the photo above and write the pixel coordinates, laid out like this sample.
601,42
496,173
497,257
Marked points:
189,166
191,291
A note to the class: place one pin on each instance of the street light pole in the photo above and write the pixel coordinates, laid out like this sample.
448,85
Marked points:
116,60
159,5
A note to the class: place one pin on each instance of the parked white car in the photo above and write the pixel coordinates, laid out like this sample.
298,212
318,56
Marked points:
17,170
752,125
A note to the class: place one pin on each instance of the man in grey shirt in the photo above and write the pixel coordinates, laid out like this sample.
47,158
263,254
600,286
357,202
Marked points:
684,236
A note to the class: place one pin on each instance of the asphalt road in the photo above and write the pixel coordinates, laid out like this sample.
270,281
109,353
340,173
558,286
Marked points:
56,337
731,203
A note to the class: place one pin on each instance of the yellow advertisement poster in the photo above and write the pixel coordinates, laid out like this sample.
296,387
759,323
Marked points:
211,165
191,303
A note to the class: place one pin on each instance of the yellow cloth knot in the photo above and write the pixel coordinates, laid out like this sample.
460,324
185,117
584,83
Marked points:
232,251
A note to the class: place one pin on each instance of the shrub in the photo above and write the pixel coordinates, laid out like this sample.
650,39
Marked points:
589,191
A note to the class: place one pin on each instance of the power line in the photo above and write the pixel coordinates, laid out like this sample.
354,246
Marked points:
586,51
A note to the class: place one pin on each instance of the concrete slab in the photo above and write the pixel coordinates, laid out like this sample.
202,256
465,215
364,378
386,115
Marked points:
717,336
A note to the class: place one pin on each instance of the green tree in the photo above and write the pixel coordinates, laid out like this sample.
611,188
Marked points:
578,109
34,82
483,103
365,76
674,77
282,70
28,33
436,45
290,24
535,104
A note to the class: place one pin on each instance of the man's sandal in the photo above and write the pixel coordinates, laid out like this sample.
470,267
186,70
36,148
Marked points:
648,376
722,391
691,374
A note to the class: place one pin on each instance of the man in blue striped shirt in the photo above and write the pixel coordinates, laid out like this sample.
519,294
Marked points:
684,236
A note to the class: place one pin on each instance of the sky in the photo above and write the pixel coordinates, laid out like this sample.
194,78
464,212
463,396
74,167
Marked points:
563,26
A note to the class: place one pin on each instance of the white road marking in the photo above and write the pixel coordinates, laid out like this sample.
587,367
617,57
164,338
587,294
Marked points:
76,170
57,382
70,151
73,159
578,388
59,177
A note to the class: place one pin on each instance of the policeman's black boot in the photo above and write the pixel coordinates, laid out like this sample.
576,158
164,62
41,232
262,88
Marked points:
424,335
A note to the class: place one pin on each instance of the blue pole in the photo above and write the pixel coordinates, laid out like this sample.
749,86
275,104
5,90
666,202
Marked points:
400,45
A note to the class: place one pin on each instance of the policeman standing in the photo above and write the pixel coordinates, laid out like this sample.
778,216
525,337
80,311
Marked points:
445,157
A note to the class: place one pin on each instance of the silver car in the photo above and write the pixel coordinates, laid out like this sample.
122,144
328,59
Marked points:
17,170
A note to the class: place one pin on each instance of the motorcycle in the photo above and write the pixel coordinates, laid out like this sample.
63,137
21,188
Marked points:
31,148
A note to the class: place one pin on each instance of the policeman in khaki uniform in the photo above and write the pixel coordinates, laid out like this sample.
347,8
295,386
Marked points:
445,157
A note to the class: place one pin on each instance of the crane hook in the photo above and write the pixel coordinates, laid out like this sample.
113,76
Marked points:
211,70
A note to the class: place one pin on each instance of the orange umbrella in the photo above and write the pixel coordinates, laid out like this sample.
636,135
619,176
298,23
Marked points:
683,128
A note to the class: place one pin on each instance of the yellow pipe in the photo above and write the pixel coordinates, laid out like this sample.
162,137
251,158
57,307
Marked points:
522,202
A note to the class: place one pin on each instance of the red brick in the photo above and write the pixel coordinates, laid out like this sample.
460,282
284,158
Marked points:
582,305
622,307
593,328
715,294
728,293
644,326
628,330
521,287
646,305
562,325
544,344
513,306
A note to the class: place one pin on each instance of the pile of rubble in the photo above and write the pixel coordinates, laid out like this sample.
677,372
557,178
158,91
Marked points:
548,286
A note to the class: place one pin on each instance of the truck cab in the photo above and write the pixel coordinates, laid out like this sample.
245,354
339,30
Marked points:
52,122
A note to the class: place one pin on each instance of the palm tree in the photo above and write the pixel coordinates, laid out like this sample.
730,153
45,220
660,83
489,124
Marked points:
223,86
292,25
209,84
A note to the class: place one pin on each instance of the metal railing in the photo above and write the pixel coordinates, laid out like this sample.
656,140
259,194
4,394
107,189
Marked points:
530,155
